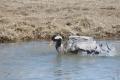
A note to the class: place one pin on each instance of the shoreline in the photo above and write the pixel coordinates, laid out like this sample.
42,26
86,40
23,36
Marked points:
48,39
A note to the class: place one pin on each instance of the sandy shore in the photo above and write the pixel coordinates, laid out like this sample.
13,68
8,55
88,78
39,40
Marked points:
39,19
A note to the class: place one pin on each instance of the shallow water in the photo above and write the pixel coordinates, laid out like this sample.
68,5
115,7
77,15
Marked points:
37,61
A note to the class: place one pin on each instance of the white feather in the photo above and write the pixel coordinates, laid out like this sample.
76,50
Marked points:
58,37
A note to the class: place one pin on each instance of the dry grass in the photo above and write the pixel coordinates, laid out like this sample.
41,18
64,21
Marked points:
39,19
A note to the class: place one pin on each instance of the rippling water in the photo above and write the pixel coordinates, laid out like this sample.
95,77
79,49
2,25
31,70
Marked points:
36,61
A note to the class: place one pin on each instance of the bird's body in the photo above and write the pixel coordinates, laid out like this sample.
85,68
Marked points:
80,44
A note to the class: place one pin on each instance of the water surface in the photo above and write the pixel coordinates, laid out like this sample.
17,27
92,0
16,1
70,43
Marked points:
37,61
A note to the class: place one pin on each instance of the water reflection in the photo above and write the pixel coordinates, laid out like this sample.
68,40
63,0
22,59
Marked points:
59,72
68,67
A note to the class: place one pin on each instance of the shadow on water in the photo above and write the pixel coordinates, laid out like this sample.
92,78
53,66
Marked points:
37,61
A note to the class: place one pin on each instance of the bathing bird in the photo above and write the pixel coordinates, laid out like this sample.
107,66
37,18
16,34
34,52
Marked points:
79,44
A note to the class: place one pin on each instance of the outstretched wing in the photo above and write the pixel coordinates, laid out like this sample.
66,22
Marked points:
81,42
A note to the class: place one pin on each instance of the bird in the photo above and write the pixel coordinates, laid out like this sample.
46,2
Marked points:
79,44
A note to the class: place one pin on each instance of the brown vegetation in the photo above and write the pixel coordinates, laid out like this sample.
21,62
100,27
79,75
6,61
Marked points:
40,19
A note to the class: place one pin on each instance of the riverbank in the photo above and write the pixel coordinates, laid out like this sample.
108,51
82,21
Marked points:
23,20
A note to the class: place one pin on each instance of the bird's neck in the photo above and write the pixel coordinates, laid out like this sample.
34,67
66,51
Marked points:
59,42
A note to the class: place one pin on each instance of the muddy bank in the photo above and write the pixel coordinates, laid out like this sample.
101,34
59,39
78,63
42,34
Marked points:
37,19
